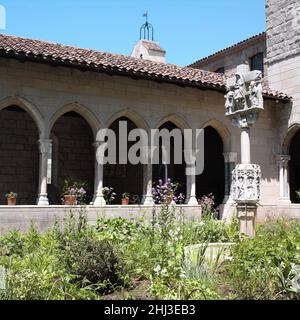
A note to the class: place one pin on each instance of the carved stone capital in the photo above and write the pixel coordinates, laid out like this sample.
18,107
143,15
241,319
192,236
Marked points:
230,157
245,186
45,145
283,159
244,118
244,99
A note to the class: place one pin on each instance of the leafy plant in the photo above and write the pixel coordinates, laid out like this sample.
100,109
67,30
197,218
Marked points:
207,205
125,195
210,230
11,194
108,194
163,191
260,267
96,261
75,188
184,289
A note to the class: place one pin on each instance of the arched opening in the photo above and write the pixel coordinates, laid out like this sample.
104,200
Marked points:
19,155
175,172
294,167
124,178
73,155
212,180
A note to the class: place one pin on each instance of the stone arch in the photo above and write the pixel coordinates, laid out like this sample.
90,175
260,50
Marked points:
173,171
22,126
178,120
81,110
124,177
72,130
131,115
289,137
212,179
222,131
28,107
290,148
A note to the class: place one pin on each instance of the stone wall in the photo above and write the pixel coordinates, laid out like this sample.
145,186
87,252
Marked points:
19,156
283,61
21,218
283,29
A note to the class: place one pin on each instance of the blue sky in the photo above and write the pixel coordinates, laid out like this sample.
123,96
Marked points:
187,29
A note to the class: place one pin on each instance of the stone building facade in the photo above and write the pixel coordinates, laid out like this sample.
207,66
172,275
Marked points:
279,51
54,99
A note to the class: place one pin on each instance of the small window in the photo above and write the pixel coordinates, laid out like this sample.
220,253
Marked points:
257,62
220,70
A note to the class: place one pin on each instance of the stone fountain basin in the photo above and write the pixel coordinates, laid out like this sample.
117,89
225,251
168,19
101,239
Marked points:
213,254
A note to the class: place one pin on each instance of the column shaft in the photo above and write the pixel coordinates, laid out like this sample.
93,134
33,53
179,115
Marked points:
245,145
191,186
98,197
45,152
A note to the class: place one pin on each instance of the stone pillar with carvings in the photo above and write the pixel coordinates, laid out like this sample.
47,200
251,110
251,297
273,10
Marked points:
45,147
284,196
98,196
244,102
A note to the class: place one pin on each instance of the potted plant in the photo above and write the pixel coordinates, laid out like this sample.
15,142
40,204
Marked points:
11,198
108,194
125,198
165,193
73,192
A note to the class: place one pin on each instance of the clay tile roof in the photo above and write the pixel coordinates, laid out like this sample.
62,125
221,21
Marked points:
152,46
261,35
86,59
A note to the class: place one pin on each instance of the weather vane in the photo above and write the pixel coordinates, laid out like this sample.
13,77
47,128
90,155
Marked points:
146,29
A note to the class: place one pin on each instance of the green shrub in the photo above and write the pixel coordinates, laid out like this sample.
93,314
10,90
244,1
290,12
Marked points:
96,261
119,229
210,230
184,289
12,244
37,273
261,267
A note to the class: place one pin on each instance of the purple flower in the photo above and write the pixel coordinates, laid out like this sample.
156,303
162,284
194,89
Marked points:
162,192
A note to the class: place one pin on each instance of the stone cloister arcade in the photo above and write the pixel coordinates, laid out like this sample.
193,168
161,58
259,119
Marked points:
68,138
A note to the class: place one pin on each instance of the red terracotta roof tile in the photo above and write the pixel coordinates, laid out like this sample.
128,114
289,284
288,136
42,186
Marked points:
152,45
53,53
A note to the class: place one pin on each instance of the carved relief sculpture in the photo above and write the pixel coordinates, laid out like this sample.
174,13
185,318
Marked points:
246,183
244,99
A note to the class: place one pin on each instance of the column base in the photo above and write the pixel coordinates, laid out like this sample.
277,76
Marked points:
99,201
193,201
148,200
43,200
284,201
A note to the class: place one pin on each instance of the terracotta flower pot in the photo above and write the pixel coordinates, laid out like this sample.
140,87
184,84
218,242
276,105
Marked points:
125,201
11,201
70,200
